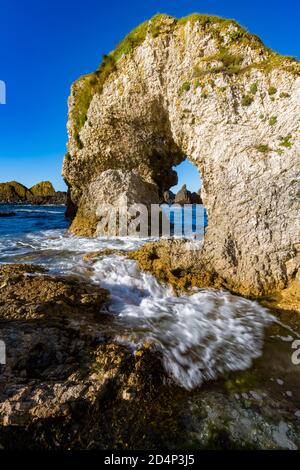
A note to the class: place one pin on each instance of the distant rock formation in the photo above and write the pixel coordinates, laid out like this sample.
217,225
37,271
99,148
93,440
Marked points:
41,193
168,197
184,196
44,188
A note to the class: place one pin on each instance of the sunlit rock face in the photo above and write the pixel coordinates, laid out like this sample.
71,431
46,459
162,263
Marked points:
200,87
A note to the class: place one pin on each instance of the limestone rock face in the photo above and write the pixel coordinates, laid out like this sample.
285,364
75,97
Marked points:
112,188
200,87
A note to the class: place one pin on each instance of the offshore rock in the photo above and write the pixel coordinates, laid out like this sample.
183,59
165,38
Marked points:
42,193
184,196
44,188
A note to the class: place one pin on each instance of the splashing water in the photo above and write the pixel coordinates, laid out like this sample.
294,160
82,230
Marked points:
201,335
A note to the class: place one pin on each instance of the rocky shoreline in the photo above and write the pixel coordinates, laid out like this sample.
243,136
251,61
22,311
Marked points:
71,382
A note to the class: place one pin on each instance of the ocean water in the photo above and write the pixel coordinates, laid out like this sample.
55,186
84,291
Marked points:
201,336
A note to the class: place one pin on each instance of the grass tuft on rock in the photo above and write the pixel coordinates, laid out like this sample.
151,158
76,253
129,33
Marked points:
263,148
286,141
273,120
186,86
272,91
247,100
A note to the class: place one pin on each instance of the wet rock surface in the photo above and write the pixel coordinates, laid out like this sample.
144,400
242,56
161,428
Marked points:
178,262
71,381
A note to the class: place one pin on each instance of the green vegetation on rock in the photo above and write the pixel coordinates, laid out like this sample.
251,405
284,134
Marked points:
253,88
263,148
284,95
247,100
186,86
286,141
272,90
230,63
273,120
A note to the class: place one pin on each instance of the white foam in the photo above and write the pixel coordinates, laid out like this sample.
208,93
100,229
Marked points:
201,335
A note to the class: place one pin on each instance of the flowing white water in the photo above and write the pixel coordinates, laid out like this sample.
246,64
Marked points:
201,335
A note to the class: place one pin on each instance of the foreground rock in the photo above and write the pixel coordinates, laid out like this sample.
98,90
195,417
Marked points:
113,188
70,381
63,363
41,193
178,263
205,88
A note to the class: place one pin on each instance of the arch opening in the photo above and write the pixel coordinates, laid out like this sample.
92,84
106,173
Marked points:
183,202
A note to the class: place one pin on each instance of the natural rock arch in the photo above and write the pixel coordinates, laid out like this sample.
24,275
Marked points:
203,87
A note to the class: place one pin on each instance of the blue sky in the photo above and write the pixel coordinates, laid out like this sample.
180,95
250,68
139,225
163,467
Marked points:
46,45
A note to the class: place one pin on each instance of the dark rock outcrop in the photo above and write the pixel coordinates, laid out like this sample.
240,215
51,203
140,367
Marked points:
7,214
44,188
184,196
168,197
13,191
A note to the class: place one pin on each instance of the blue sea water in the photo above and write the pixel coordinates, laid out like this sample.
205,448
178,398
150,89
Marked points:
30,219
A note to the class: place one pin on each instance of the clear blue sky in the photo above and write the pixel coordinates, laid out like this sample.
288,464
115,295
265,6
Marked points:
47,44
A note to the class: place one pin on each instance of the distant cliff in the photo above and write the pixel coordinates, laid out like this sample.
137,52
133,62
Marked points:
40,193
